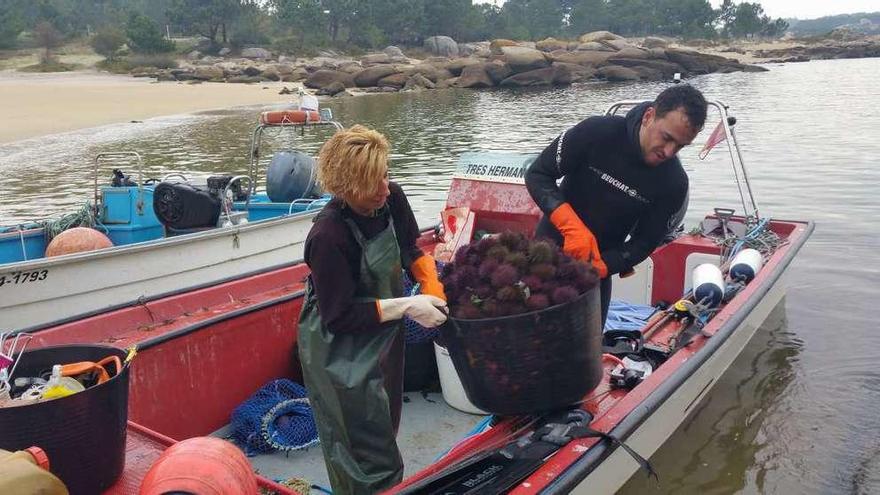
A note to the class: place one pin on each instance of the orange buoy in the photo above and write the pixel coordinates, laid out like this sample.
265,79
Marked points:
77,240
203,466
282,117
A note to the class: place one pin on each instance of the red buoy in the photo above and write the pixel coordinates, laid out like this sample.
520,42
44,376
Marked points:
203,466
77,240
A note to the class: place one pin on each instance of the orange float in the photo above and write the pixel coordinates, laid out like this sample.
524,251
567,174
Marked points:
201,465
77,240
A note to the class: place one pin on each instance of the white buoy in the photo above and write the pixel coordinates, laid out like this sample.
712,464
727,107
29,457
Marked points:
708,284
746,265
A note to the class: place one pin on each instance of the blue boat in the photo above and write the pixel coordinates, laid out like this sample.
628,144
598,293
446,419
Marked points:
170,234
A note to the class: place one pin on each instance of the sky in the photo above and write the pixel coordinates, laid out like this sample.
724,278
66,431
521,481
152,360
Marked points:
811,9
801,9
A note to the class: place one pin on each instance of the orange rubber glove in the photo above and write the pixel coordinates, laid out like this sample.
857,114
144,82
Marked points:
578,240
424,270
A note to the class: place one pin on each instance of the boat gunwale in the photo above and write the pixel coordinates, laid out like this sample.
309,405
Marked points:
165,242
145,300
580,469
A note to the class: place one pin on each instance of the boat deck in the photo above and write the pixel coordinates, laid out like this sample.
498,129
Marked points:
428,427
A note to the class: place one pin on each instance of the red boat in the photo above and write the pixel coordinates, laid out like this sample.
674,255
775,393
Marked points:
202,352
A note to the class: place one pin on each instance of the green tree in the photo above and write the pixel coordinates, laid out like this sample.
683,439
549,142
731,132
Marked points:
107,42
252,26
776,28
685,18
747,19
304,18
587,16
401,21
447,18
11,23
209,18
725,16
48,38
144,35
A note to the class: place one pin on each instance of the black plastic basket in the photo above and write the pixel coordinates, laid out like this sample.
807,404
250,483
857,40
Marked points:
83,434
420,366
532,362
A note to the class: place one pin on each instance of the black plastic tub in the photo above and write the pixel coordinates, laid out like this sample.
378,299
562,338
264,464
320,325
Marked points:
532,362
420,367
83,434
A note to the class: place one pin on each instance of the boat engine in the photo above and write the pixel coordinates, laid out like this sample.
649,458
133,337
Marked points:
181,206
291,175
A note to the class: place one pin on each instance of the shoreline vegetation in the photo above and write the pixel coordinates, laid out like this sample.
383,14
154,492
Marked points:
188,82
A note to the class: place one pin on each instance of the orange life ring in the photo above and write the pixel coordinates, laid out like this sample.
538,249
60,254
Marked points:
281,117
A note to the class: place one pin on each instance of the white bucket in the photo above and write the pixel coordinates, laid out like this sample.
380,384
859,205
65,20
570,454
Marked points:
453,391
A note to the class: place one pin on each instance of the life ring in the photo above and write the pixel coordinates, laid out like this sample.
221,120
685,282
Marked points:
282,117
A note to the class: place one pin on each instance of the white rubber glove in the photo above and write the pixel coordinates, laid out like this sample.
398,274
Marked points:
427,311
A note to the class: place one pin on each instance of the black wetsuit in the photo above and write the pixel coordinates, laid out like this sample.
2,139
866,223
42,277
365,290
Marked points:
611,188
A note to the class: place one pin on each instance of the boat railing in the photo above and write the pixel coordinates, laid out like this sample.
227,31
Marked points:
311,203
173,175
750,208
226,201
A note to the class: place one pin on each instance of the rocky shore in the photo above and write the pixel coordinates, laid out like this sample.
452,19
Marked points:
500,63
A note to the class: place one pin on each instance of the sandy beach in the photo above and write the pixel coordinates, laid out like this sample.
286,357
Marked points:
33,105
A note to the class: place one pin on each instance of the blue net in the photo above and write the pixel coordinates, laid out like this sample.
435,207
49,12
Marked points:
416,333
275,417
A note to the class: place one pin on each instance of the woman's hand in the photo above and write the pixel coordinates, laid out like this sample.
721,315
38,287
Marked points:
426,310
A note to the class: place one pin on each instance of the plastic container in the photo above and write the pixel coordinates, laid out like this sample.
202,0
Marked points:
532,362
450,383
419,367
26,472
84,433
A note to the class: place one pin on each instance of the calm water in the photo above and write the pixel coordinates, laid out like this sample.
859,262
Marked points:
798,412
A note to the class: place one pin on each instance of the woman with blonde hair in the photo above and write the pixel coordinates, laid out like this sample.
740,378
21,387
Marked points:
351,341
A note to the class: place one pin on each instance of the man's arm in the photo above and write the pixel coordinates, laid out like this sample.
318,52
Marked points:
648,234
567,152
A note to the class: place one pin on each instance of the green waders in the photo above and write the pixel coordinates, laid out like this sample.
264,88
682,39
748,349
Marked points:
355,380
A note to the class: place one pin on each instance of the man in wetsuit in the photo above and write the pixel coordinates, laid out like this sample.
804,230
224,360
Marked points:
620,178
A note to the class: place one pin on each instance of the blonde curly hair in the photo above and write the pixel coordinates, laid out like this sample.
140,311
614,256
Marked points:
353,162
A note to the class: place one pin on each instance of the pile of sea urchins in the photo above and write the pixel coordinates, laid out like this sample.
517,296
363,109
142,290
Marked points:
508,274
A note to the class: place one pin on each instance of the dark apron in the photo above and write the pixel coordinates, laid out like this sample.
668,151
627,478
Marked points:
355,380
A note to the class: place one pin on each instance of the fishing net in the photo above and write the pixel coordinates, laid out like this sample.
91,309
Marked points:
275,417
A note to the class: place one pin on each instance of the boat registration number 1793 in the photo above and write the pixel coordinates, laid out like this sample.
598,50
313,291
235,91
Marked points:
17,278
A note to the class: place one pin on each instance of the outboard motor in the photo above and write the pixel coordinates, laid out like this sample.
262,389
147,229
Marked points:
217,184
182,206
291,175
121,180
